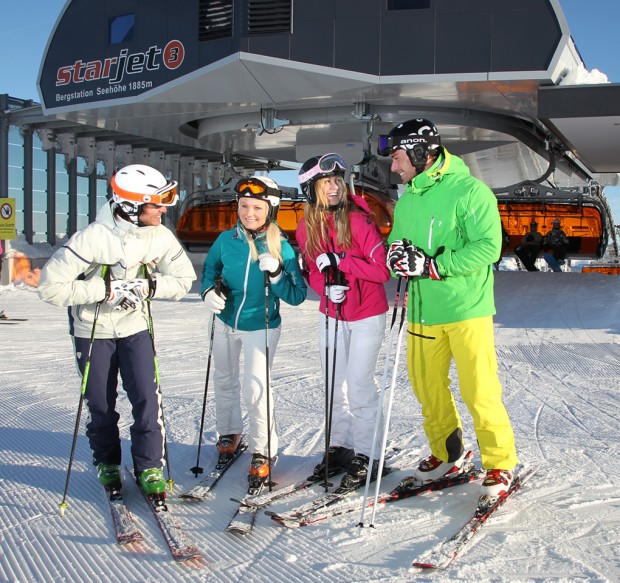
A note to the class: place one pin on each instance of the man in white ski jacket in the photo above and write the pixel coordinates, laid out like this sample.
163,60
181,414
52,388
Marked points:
107,273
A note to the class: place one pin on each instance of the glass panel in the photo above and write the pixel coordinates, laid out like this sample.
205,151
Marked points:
121,28
39,222
408,4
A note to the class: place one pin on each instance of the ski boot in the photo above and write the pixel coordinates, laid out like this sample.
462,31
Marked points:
109,476
357,473
259,474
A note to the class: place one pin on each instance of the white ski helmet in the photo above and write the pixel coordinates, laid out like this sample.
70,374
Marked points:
264,188
138,184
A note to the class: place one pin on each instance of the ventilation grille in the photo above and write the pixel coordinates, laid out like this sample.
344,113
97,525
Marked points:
269,16
215,19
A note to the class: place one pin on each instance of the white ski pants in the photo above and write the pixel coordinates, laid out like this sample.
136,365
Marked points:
356,397
232,347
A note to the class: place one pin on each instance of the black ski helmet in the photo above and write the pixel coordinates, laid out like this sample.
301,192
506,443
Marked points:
319,167
417,137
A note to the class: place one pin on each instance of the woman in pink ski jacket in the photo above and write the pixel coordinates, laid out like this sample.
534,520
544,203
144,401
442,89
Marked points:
344,258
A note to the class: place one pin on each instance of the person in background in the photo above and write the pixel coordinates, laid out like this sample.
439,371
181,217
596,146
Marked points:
107,274
446,236
252,259
530,247
345,258
555,246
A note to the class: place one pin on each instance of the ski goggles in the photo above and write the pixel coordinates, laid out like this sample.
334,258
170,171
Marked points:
326,164
255,187
167,195
386,145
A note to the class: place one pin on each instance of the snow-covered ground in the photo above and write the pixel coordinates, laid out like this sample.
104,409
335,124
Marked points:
558,343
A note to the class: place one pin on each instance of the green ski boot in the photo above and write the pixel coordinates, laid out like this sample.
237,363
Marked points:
109,474
152,481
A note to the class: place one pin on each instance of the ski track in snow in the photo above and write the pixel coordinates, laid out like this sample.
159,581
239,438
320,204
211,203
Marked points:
558,345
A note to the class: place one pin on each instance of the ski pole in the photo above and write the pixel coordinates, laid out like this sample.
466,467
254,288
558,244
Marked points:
388,351
63,504
267,387
333,383
401,329
197,469
327,410
170,481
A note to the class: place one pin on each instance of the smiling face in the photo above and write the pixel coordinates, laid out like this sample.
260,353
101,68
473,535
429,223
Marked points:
150,215
401,165
252,212
330,190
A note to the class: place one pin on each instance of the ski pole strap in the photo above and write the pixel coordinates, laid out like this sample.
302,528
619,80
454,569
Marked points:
151,281
106,274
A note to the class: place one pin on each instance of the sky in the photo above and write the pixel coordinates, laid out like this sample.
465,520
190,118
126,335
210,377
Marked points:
559,369
23,38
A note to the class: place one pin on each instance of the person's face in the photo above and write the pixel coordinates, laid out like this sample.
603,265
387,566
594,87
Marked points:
329,190
533,227
402,166
150,216
253,212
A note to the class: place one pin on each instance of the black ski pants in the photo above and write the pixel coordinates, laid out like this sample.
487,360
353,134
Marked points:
133,357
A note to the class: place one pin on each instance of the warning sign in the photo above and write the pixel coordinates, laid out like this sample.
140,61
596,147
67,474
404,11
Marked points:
7,219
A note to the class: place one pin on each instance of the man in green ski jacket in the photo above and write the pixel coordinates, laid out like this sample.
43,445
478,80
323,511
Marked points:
447,235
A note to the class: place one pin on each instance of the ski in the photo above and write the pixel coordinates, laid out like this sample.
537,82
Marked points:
7,322
4,318
181,547
201,490
125,528
244,517
298,516
263,500
395,495
442,555
295,517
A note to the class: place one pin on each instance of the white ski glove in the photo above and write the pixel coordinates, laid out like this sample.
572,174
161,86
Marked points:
268,263
215,302
337,293
126,295
326,260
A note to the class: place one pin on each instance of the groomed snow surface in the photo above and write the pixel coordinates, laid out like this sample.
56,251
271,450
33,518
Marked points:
558,346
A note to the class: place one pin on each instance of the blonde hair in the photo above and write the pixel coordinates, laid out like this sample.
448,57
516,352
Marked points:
316,219
273,240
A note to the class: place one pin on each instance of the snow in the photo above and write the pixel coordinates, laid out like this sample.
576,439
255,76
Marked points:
558,344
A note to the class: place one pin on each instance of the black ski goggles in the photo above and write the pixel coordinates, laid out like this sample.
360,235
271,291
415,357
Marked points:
386,145
326,164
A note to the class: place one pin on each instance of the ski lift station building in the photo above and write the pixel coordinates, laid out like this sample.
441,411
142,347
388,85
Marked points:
208,91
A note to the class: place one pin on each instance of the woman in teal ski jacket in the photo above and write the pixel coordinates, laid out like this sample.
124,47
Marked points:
247,272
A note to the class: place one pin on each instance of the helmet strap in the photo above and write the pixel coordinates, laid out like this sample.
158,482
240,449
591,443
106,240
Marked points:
120,210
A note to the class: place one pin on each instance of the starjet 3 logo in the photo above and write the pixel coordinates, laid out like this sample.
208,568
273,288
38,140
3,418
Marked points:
115,68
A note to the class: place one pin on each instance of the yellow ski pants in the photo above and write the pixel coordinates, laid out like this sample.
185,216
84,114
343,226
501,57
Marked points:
472,345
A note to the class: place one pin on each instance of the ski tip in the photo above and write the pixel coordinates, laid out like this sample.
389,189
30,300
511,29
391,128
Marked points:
426,566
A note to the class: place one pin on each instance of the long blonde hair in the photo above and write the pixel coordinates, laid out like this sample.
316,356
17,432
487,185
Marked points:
273,240
316,219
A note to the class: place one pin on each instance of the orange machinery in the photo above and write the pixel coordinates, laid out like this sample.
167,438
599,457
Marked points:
581,212
206,215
